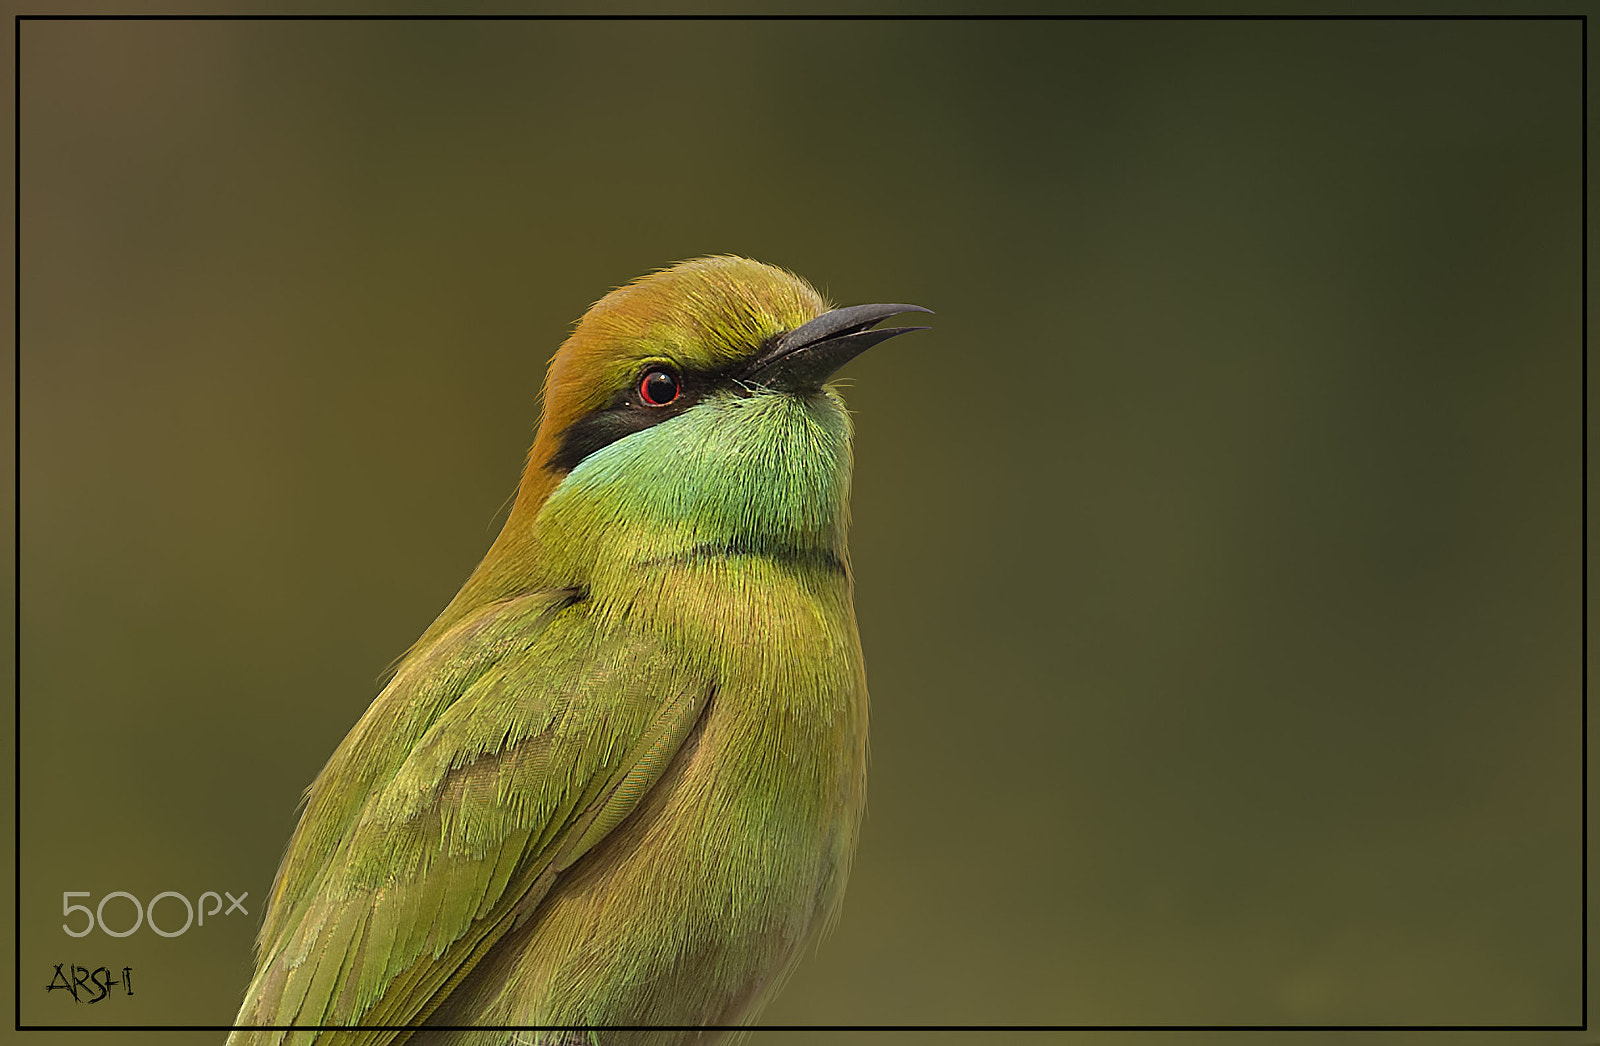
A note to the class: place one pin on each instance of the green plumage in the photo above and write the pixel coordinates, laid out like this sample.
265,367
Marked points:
619,782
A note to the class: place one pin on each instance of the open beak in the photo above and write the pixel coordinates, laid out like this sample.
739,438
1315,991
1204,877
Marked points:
802,359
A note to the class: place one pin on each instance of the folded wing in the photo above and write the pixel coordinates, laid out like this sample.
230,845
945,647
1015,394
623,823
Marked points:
490,764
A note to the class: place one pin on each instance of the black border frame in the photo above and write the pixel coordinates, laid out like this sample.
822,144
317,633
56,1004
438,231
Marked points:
16,742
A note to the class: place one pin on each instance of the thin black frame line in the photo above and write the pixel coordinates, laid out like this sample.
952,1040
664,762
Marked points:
807,1027
16,497
1583,355
1582,19
803,18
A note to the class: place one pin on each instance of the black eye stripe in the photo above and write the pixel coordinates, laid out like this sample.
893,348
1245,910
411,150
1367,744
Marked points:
628,412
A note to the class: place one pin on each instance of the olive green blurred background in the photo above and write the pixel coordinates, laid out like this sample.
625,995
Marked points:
1217,552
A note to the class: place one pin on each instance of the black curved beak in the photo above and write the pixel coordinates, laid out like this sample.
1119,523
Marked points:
802,359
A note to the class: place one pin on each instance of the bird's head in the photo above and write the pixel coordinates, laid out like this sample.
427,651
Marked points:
689,413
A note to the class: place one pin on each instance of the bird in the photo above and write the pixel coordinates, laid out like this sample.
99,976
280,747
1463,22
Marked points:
618,782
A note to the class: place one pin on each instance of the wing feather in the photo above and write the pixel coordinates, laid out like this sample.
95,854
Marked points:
407,868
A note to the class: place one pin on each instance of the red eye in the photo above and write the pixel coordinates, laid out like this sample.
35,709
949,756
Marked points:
659,386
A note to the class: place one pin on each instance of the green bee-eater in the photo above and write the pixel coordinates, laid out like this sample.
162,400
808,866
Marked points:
619,780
